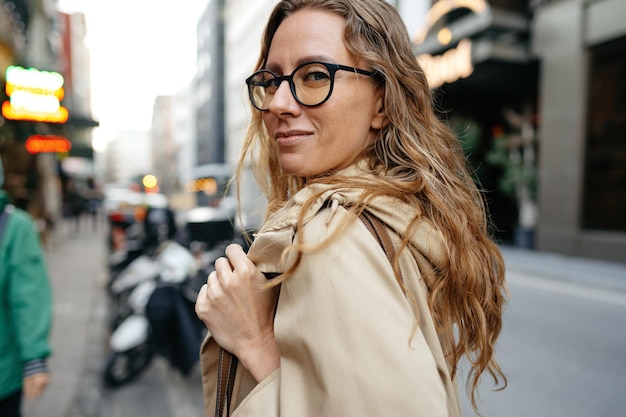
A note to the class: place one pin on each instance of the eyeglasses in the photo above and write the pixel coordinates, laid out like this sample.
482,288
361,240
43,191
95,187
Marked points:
311,84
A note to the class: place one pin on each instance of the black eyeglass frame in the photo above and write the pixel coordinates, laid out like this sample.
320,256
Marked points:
278,80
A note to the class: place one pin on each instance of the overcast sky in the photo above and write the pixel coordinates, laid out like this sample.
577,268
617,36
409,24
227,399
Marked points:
139,49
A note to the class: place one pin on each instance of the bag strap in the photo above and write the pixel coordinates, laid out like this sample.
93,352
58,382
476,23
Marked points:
227,368
227,364
380,232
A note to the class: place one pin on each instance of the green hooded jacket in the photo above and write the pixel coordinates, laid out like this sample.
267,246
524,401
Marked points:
25,299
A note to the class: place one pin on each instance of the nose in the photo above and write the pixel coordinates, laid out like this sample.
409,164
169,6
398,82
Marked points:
283,100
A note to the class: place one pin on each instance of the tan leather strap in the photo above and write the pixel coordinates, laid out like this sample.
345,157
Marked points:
227,368
227,365
380,232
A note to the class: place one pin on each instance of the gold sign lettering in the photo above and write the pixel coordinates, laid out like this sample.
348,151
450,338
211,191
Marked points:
453,64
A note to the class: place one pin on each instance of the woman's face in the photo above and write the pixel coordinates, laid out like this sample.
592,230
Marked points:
313,140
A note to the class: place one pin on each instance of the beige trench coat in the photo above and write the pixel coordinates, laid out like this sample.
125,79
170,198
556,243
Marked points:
343,326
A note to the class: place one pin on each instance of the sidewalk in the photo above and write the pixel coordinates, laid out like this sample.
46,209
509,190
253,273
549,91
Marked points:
76,263
593,273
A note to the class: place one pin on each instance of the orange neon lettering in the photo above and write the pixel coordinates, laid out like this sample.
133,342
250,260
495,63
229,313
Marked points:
47,144
10,112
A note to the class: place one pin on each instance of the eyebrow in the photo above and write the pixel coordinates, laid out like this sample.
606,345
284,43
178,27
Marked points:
309,58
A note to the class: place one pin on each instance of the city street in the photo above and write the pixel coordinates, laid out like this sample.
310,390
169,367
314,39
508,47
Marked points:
562,350
562,345
126,125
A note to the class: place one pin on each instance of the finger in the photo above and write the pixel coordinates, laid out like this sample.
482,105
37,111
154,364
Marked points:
235,254
223,266
202,293
208,277
239,259
212,282
201,301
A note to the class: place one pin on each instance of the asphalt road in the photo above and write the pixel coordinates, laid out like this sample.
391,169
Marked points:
562,349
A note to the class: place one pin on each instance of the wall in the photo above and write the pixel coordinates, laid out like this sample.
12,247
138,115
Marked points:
562,31
245,22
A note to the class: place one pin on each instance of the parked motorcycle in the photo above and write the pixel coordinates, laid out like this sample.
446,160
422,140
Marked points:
134,262
154,316
154,295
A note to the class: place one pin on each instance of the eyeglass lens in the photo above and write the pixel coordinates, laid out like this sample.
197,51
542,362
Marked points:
310,84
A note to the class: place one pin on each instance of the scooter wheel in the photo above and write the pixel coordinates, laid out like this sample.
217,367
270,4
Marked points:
123,367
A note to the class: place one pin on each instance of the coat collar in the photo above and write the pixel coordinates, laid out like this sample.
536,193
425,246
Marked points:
278,231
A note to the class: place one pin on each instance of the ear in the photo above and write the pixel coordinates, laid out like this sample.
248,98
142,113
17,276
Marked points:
380,118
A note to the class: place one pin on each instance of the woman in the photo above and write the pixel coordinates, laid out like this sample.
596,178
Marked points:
343,124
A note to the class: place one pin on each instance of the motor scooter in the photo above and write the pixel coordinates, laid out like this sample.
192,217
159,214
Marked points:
134,263
154,296
151,308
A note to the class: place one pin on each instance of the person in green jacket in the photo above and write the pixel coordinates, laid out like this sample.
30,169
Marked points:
25,309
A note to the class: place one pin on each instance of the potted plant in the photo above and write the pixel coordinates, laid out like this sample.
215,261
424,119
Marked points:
515,152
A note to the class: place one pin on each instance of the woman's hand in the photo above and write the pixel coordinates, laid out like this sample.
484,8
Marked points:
239,312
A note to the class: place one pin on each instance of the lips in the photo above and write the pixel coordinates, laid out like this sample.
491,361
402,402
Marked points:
291,137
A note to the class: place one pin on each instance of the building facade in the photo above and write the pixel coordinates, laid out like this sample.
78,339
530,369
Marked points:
212,171
244,26
582,169
184,133
37,128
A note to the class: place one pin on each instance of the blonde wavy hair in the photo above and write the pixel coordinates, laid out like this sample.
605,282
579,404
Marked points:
420,161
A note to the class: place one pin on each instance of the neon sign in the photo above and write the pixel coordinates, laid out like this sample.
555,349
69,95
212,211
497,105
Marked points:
452,65
443,7
455,63
47,144
34,96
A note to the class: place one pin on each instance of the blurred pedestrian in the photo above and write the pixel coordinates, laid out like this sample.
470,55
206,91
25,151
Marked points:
93,201
384,272
25,309
75,201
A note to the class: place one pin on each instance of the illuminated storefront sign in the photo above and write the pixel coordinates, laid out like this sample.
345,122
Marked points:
47,144
442,8
34,96
447,68
455,63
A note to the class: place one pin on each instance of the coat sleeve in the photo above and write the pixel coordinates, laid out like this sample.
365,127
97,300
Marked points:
29,289
347,336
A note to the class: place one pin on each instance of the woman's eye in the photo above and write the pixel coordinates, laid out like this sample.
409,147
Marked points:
316,76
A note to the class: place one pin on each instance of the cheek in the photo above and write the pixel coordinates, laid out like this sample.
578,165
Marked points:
353,126
344,138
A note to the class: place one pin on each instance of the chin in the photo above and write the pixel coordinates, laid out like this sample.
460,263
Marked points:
296,172
297,167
